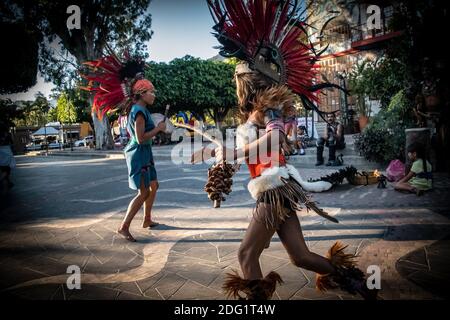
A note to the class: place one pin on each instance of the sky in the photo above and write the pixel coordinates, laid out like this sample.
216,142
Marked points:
180,27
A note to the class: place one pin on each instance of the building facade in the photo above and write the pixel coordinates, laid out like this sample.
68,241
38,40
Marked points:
349,32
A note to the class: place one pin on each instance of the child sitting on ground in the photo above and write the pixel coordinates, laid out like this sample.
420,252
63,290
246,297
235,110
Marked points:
419,179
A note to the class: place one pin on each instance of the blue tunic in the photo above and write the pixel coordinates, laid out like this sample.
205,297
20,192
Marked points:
139,157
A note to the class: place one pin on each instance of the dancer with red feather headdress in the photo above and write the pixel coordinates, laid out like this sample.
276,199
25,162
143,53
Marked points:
276,67
120,86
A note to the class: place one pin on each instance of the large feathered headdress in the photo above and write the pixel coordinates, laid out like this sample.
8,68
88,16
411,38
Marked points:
113,81
270,36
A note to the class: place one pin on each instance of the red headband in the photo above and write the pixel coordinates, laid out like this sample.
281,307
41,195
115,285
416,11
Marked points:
141,86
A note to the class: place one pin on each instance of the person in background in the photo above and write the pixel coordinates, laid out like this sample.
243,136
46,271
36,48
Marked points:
300,143
7,161
139,157
290,127
420,177
333,138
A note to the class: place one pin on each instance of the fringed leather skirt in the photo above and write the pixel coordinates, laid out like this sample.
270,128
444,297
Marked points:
273,206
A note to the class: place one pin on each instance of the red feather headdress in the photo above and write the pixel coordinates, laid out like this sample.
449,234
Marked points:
111,80
270,36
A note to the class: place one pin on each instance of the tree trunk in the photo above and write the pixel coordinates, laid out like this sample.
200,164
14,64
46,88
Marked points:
102,131
103,135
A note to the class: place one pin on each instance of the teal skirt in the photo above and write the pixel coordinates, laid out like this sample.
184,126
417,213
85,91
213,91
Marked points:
140,164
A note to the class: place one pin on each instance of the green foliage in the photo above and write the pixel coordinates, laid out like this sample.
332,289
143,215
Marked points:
26,113
380,80
119,23
201,86
11,113
384,137
65,109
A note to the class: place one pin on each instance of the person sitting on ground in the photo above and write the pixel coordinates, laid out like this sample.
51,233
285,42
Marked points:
333,138
420,177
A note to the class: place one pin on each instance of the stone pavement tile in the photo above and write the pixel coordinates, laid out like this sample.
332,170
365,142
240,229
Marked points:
102,233
182,246
293,279
89,238
203,274
77,257
38,292
208,253
93,292
169,284
225,249
220,279
313,294
135,262
130,287
15,274
103,253
147,283
46,266
62,293
269,263
94,266
129,296
194,291
153,294
55,251
62,236
176,260
123,260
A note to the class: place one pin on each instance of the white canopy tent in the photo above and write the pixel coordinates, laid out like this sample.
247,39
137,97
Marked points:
49,131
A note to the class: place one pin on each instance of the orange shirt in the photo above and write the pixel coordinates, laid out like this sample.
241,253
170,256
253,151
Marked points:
259,167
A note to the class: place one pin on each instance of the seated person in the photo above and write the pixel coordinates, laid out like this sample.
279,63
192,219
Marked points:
333,138
300,143
420,178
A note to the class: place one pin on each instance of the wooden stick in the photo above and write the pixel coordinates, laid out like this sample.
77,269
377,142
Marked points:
205,135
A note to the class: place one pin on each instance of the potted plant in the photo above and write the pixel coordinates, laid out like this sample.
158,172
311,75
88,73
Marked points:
359,83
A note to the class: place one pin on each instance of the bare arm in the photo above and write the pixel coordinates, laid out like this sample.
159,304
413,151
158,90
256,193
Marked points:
253,148
325,135
141,135
339,131
407,177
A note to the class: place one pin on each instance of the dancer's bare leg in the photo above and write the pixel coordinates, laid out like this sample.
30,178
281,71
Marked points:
256,238
291,236
133,208
148,204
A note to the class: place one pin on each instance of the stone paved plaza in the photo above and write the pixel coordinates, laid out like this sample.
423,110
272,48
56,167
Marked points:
64,211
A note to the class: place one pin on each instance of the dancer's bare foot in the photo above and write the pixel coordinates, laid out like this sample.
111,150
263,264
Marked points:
148,223
126,234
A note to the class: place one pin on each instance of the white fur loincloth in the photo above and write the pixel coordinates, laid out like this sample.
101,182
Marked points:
271,178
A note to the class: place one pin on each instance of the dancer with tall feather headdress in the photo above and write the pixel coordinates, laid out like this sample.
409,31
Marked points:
276,67
120,86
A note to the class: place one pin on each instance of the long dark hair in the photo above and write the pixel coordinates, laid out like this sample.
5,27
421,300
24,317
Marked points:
420,150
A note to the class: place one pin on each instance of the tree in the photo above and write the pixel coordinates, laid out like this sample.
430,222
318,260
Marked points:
120,23
65,109
25,113
201,86
380,79
11,112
